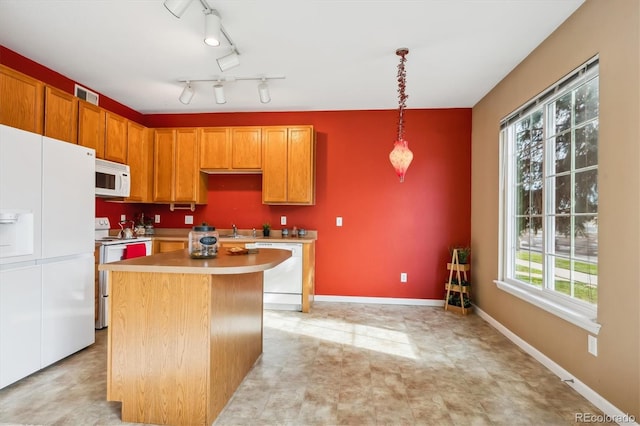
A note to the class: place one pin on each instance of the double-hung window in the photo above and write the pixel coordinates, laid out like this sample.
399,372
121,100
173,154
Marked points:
549,199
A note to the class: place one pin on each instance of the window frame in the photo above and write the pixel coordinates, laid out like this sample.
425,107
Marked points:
573,310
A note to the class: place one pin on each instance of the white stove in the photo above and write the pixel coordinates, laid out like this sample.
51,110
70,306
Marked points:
102,228
113,249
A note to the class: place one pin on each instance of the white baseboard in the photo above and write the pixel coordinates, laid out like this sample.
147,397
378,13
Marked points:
379,300
610,410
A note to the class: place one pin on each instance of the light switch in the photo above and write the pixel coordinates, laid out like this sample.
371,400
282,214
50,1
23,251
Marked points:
157,219
283,220
188,219
339,221
123,217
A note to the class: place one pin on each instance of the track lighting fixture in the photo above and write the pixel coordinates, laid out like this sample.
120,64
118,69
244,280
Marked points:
218,92
218,87
187,94
229,61
211,28
263,92
177,7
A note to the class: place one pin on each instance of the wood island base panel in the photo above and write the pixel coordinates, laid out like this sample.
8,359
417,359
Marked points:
180,344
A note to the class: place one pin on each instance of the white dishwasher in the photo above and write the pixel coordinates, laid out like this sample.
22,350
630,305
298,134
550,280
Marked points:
283,284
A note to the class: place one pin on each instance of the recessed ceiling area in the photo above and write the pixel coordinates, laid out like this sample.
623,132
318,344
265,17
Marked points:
334,55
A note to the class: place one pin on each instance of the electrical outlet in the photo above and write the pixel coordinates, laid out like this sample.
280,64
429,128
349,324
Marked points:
188,219
283,220
339,221
592,345
157,219
123,217
403,277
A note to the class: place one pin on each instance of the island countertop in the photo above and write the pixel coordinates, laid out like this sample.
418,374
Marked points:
179,262
183,333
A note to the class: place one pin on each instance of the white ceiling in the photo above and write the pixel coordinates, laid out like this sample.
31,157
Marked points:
336,55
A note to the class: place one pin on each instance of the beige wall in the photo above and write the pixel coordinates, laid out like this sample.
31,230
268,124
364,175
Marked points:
610,28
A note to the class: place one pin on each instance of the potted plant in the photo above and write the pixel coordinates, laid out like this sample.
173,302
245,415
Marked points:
266,229
463,253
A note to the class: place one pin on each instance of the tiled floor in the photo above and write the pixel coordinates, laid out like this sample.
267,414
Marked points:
343,364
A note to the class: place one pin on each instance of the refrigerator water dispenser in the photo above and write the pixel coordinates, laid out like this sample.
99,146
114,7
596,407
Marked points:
16,233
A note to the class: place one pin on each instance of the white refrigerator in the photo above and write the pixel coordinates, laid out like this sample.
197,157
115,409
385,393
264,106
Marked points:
46,260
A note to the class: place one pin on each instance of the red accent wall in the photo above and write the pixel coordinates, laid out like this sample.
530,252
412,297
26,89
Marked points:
389,227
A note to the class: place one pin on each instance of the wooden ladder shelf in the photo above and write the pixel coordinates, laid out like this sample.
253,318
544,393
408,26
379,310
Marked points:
458,286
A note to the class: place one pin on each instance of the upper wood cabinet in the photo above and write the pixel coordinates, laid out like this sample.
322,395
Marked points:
229,149
288,169
177,177
163,169
215,148
115,143
140,160
21,101
60,115
91,121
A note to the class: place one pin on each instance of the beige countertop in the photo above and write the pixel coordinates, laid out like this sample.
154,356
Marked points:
179,262
182,234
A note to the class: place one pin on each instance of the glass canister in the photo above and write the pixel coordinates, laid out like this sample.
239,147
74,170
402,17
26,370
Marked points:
203,242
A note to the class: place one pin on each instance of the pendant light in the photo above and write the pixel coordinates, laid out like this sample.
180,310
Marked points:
401,156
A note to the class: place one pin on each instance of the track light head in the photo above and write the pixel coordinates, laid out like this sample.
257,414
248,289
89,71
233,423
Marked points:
187,94
212,28
229,61
218,92
177,7
263,92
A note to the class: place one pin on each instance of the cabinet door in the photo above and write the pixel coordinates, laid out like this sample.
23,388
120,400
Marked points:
163,169
115,143
140,160
60,115
187,171
246,148
274,168
301,166
68,323
215,148
91,120
20,323
164,246
21,101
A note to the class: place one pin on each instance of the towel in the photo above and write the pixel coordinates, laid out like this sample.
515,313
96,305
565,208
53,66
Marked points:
135,250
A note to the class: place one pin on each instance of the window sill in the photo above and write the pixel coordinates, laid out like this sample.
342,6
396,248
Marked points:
566,313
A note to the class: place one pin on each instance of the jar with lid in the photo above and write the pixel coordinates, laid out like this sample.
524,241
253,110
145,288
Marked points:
203,242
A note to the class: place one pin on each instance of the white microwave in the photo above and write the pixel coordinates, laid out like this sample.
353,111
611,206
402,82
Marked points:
112,179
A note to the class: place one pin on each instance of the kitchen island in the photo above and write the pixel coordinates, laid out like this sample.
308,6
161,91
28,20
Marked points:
183,333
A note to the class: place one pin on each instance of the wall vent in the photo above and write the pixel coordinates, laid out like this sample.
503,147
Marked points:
87,95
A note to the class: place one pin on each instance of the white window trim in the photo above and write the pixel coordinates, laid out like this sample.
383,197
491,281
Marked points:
576,317
578,314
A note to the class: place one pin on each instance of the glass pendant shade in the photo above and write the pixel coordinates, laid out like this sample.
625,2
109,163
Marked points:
401,157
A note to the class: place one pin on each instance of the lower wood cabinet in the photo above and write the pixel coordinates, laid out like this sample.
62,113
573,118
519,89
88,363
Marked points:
164,246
